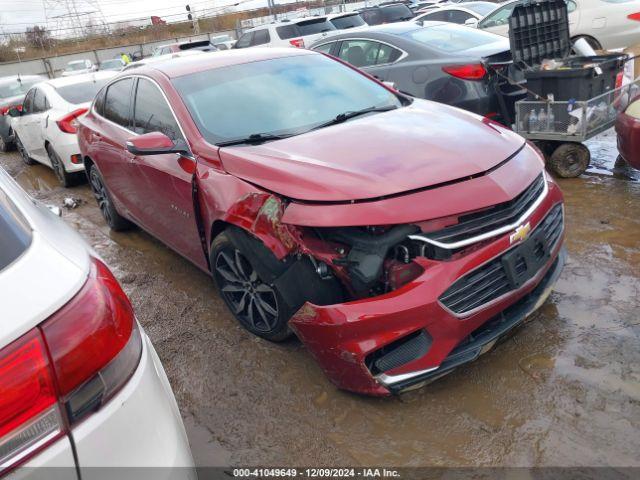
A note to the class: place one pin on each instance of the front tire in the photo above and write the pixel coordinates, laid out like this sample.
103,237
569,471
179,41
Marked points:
256,304
115,221
23,152
5,145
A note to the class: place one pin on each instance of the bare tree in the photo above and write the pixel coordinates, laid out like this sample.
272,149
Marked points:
38,37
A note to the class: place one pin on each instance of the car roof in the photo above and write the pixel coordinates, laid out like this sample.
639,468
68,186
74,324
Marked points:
75,79
78,61
178,67
293,21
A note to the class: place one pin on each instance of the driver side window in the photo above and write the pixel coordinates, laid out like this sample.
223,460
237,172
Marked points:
151,113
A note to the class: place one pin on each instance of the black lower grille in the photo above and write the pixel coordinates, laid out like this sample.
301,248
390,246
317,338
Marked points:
487,220
498,277
399,352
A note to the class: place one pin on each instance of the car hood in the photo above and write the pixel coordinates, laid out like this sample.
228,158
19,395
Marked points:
382,154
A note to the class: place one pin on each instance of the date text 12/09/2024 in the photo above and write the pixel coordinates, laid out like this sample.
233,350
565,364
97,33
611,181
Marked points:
315,473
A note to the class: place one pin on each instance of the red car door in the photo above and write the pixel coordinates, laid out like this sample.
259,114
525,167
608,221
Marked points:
163,183
109,145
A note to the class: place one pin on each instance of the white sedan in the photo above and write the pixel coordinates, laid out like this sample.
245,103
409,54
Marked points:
605,24
81,384
78,67
45,129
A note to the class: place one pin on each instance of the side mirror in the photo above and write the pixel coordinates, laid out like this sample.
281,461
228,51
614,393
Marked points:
471,22
14,112
155,143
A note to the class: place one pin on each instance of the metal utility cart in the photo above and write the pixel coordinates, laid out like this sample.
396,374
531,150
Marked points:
570,99
560,127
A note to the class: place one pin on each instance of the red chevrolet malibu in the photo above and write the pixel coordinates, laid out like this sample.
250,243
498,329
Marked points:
397,238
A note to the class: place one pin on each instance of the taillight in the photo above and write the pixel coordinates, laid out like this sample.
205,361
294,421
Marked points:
474,71
297,42
69,123
5,110
29,412
634,16
73,363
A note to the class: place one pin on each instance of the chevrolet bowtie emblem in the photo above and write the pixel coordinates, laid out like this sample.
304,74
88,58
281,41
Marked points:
521,233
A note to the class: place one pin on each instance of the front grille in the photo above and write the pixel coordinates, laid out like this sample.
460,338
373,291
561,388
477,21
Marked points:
474,224
491,280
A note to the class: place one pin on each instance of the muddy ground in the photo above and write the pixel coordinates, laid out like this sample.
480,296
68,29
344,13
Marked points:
564,390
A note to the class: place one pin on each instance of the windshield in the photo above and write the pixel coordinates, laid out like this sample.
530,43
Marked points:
348,21
452,38
15,234
480,8
280,96
15,88
80,92
395,13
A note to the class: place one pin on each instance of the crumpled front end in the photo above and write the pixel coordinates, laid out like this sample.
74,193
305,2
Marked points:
423,297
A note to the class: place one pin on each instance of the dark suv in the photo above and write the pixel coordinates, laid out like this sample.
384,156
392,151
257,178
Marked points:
395,12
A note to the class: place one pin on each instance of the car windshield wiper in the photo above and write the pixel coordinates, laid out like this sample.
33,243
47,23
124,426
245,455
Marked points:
254,138
343,117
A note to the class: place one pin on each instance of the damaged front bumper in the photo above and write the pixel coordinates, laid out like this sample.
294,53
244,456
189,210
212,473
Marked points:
407,338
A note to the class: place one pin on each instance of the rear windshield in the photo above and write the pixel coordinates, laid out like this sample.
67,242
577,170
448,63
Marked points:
15,234
81,92
451,38
396,13
187,46
316,25
348,21
15,88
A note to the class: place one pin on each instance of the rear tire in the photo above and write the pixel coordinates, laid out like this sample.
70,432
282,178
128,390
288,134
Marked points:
569,160
5,146
257,305
23,153
115,221
66,179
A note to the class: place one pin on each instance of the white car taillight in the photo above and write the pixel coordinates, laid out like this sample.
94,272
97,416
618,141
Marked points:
67,367
69,123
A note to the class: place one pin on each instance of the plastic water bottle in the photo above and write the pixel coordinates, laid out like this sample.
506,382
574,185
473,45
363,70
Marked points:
551,121
533,121
542,120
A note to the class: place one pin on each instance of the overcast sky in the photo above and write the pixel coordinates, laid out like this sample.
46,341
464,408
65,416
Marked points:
16,15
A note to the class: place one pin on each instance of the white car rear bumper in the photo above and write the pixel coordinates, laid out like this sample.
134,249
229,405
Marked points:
140,427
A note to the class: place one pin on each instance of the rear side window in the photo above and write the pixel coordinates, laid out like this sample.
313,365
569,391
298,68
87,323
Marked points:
152,113
40,103
366,53
98,104
15,234
285,32
441,16
325,48
81,92
117,102
245,40
27,105
260,37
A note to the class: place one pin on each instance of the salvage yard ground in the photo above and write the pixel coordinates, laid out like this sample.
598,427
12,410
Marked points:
563,390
